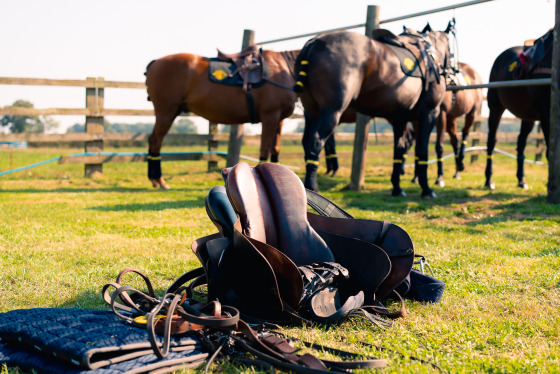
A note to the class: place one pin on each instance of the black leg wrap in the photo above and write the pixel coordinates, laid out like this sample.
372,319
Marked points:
154,165
311,176
274,159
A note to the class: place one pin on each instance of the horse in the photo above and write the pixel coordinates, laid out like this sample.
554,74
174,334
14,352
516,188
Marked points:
529,103
456,104
180,83
346,69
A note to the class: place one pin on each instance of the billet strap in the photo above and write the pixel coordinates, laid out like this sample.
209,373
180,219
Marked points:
276,350
324,206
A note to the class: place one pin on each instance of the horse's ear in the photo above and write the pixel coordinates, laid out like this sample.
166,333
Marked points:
428,28
403,28
450,26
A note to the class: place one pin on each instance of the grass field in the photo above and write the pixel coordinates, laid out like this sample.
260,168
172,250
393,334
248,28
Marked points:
63,236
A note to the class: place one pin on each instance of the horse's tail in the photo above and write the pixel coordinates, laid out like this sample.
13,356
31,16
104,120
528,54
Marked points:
302,66
146,72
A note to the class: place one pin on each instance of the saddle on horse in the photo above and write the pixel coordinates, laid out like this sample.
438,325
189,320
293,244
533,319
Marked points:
416,57
247,69
533,55
269,249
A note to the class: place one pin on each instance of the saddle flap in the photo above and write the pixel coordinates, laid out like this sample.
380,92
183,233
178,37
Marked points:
271,201
257,278
392,239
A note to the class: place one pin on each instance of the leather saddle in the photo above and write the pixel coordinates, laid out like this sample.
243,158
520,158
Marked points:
533,55
266,233
415,58
249,64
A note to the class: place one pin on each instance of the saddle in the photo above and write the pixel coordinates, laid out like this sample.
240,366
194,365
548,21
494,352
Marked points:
266,236
532,56
416,59
249,64
247,69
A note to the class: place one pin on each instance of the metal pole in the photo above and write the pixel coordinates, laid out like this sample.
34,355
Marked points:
362,121
236,131
517,83
437,10
554,134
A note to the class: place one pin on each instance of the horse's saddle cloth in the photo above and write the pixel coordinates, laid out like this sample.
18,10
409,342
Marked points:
246,68
414,60
79,341
530,60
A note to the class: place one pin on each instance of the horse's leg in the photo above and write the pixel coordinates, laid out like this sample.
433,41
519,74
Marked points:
526,128
330,155
276,142
427,121
494,117
164,120
441,124
460,160
451,130
399,149
317,130
269,135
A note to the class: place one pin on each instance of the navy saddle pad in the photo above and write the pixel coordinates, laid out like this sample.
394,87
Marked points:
223,72
52,340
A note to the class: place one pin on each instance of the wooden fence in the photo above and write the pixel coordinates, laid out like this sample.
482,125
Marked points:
95,136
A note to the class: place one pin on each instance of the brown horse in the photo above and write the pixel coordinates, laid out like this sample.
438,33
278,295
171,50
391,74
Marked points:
180,83
530,104
456,104
346,69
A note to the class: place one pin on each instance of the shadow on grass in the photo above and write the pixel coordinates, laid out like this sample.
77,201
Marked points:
154,206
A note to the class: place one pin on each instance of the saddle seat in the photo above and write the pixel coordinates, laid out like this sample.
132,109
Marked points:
267,232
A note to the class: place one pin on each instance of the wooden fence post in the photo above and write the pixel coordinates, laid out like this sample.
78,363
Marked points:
94,124
475,134
212,146
362,121
236,131
553,196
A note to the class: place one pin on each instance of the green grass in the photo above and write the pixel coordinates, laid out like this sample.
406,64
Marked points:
63,236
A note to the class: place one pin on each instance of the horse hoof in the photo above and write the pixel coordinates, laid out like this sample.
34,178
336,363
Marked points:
160,183
333,173
523,185
398,193
457,175
440,182
415,180
431,194
490,186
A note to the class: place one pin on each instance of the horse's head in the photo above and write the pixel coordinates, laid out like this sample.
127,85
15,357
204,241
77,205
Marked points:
439,41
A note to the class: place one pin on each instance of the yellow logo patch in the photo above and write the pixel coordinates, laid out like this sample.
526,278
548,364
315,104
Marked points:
512,66
408,63
219,74
468,79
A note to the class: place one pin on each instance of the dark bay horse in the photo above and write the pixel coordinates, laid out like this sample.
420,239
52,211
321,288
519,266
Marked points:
530,104
346,69
180,83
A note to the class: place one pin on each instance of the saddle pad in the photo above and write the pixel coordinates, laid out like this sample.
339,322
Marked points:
28,359
81,338
222,72
409,63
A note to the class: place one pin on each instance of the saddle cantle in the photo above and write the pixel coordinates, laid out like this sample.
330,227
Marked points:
257,271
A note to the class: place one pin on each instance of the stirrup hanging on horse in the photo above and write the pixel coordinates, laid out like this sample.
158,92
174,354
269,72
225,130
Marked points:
267,237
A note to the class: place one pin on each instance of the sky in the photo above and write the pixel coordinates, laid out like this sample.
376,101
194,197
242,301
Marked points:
116,39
